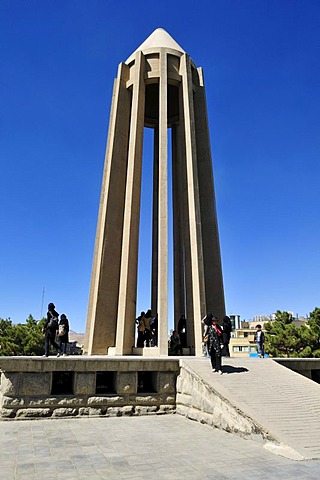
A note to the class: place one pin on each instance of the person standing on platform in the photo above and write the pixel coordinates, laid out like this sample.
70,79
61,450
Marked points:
175,344
141,328
50,330
182,331
259,339
215,337
207,322
147,323
63,333
226,335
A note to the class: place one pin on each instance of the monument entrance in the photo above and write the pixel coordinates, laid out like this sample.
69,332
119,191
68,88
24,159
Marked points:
158,87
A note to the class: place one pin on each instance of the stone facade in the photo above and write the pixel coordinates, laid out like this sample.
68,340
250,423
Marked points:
200,402
33,388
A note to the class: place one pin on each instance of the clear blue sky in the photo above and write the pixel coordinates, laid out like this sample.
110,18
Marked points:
57,64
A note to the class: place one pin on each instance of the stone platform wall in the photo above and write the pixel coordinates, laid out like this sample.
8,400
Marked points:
199,401
33,387
308,367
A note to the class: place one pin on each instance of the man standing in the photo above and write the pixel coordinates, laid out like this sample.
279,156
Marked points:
259,339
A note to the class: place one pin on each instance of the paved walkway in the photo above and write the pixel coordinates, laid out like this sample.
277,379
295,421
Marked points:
284,403
151,447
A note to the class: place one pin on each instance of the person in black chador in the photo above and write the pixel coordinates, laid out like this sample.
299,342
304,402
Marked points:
215,337
175,344
147,323
182,326
226,334
63,333
50,330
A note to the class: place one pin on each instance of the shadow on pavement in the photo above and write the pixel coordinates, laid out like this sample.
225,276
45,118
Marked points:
231,369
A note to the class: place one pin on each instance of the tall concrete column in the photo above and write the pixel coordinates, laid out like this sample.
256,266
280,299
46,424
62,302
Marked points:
155,224
178,225
163,209
196,254
130,239
213,283
102,309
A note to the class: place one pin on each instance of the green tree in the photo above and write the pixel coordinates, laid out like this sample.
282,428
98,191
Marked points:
21,339
7,344
314,331
284,339
284,317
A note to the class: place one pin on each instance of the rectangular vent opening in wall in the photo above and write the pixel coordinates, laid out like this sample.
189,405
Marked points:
105,382
62,383
147,382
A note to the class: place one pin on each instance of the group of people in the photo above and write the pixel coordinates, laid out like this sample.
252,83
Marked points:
55,328
217,339
147,328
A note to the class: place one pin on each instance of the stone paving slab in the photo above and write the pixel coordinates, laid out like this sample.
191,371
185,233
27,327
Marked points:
156,447
282,402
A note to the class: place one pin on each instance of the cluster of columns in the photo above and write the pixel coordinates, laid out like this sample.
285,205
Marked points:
158,87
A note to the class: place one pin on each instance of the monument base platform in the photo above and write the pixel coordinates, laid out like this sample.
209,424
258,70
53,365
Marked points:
245,400
33,387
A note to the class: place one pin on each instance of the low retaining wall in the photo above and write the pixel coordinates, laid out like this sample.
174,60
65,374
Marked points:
308,367
201,402
32,387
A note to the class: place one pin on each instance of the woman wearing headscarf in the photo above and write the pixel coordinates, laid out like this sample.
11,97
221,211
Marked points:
50,330
215,337
64,333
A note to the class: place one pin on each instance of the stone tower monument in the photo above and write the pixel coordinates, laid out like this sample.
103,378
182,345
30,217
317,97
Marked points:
158,87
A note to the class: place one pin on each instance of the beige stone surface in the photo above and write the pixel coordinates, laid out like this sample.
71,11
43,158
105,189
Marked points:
7,412
13,401
166,382
91,411
35,383
65,412
84,383
126,383
33,412
10,383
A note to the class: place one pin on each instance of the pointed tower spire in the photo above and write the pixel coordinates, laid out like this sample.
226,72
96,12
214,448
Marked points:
159,38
